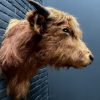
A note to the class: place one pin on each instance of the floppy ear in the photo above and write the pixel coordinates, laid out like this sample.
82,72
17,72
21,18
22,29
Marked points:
36,20
38,17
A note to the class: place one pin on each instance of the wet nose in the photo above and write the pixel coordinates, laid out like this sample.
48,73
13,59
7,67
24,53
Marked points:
91,57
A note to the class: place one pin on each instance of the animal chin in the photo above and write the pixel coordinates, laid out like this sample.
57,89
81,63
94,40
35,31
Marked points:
80,67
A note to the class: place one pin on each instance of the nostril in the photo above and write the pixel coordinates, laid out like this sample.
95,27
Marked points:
91,57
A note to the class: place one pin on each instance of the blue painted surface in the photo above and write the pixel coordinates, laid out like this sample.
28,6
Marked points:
82,84
39,84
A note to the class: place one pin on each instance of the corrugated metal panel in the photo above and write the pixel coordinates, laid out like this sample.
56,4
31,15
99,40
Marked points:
39,84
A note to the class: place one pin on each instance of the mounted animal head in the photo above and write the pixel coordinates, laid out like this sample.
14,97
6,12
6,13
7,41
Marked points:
45,37
53,37
61,43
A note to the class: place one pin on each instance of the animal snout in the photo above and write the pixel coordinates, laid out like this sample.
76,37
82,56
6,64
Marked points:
91,57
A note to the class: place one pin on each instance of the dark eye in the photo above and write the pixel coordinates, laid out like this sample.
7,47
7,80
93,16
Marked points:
66,30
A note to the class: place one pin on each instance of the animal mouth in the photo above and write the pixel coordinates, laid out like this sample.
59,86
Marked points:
83,66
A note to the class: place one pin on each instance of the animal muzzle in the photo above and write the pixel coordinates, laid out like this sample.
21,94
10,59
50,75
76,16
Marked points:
88,59
91,57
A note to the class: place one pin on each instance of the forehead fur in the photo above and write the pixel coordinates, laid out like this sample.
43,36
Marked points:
61,16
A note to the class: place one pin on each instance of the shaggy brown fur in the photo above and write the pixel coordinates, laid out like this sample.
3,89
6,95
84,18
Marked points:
31,43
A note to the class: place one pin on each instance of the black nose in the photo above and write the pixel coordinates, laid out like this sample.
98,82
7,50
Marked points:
91,57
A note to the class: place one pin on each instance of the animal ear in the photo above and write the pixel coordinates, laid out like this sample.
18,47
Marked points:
36,20
39,8
38,17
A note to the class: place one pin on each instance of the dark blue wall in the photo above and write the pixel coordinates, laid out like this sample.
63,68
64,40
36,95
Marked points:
81,84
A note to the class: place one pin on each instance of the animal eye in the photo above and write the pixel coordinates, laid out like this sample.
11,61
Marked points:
66,30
